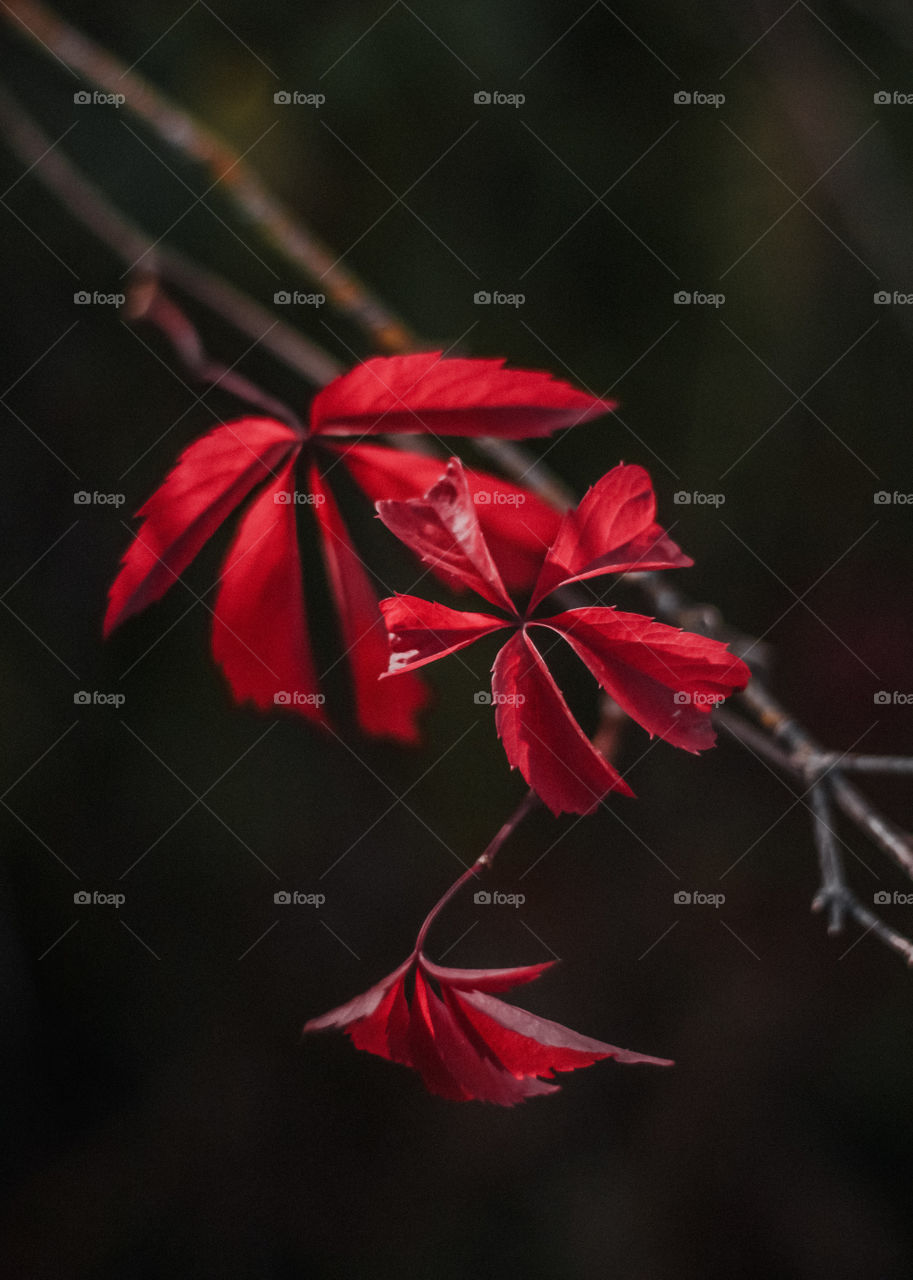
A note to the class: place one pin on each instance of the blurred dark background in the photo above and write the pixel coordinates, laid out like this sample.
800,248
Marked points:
162,1117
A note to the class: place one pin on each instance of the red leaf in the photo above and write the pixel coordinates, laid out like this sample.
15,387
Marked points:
530,1045
422,631
364,1008
541,737
667,680
611,531
464,1043
259,634
517,525
449,397
386,709
442,528
485,979
211,477
474,1071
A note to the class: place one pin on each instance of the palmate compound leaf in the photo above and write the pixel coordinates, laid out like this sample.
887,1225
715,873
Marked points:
666,679
465,1044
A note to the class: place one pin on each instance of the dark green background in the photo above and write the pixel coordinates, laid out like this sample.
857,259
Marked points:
162,1117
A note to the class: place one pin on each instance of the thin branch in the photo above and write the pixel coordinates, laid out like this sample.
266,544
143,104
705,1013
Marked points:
872,924
868,764
147,301
755,740
91,208
833,891
483,861
54,37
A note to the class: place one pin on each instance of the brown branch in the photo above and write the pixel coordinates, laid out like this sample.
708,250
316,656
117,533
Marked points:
90,207
147,301
264,211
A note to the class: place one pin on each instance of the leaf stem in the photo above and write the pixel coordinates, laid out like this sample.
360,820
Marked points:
485,859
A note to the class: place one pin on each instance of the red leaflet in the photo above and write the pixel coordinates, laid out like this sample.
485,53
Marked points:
541,738
463,1042
517,544
260,634
666,679
611,530
261,581
426,393
446,533
212,476
381,711
422,631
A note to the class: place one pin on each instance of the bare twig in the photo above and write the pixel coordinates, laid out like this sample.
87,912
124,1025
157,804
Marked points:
147,301
86,203
257,204
833,892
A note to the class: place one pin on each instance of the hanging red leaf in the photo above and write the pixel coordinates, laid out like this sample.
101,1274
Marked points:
464,1042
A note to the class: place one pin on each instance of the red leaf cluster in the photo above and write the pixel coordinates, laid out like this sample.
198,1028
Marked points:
260,632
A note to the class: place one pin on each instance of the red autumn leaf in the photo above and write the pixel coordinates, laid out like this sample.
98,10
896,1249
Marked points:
380,710
421,631
666,679
611,530
445,531
449,397
260,635
212,476
516,523
465,1044
540,736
